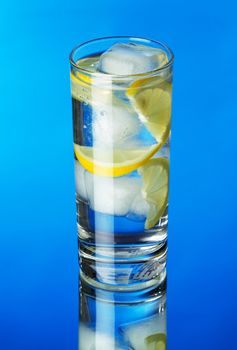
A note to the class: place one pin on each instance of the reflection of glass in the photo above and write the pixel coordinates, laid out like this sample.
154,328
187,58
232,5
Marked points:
156,341
122,320
121,96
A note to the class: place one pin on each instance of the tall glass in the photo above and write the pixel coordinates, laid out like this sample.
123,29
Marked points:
121,96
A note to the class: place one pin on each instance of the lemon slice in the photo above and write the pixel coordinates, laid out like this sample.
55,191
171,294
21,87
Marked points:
151,98
155,177
113,162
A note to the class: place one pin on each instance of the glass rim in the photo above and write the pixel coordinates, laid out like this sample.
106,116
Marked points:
117,76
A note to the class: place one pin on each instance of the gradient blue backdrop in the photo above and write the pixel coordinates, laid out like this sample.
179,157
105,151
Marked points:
38,252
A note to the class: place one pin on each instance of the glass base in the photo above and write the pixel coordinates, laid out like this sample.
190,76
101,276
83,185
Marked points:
122,268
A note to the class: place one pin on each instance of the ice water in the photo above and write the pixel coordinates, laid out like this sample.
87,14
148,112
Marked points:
121,98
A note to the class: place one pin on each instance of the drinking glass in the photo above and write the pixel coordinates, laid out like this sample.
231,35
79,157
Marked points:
121,96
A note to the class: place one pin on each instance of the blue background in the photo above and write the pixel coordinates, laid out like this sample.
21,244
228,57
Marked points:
38,251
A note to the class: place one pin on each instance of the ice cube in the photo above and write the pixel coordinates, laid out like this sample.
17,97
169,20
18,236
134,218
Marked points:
110,195
115,125
139,206
131,58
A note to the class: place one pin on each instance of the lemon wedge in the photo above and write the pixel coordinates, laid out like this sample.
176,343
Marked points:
113,162
151,99
155,178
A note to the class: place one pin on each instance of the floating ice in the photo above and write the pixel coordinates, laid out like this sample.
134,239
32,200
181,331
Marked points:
109,195
131,58
115,125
